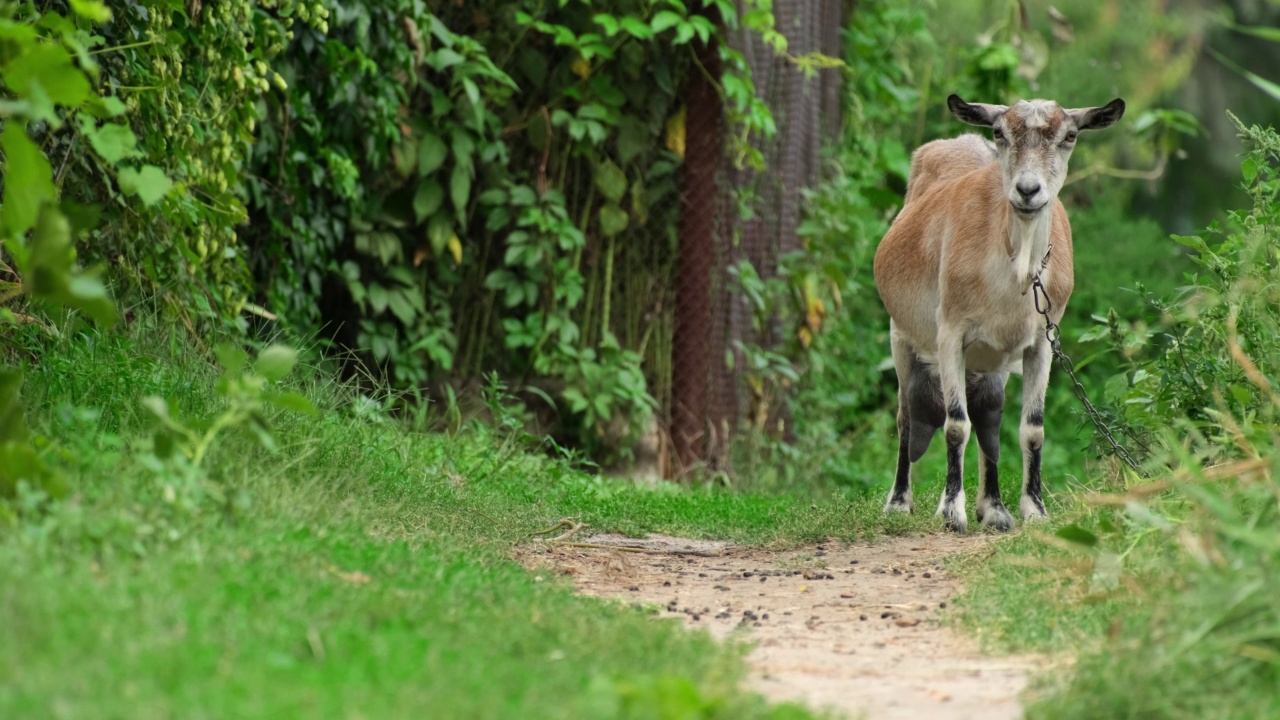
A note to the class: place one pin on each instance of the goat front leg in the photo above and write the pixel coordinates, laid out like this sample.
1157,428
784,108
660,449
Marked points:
1036,362
986,407
951,373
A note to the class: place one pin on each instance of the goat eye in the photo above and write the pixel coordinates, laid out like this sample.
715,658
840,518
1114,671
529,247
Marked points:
1071,137
997,133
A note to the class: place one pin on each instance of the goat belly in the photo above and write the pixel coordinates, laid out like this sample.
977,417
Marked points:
998,347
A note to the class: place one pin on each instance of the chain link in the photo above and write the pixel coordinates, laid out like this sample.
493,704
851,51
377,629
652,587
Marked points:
1053,334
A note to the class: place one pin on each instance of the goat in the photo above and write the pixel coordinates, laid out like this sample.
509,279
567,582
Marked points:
981,221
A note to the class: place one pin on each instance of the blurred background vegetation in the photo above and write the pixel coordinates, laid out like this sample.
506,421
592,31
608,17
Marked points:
422,194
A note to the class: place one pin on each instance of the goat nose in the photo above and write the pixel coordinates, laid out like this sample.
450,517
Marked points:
1028,188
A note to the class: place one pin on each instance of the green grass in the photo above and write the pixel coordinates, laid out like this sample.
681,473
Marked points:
1171,614
362,570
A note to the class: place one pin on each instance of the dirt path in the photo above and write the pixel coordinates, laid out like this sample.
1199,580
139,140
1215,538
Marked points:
854,628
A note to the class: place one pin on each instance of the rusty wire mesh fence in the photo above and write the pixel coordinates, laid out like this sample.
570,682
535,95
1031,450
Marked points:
708,399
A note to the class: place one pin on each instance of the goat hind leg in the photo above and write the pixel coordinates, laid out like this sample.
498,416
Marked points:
900,499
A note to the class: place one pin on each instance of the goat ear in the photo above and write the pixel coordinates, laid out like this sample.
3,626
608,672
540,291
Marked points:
974,113
1097,118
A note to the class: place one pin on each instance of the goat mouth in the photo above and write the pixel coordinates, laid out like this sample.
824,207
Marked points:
1027,211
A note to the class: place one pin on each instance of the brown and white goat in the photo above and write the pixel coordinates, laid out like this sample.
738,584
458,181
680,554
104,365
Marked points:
954,272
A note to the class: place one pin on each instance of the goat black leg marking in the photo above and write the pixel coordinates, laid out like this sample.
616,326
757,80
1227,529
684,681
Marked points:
907,366
902,481
1033,476
956,438
986,402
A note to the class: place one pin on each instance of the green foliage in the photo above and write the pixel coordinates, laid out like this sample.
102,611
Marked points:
824,297
455,190
170,178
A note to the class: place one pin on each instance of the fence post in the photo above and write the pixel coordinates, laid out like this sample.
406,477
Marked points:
691,346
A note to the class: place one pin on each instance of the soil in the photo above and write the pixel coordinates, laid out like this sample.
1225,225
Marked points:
851,628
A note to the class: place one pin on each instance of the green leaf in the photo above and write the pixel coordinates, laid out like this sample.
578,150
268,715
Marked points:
431,154
613,220
1259,82
492,196
633,138
87,294
231,357
611,181
439,230
460,188
114,142
378,298
92,9
51,274
665,20
18,462
13,424
405,157
428,199
443,58
1266,33
289,400
608,22
149,183
28,180
276,362
1249,168
401,305
105,107
1078,535
47,70
636,28
158,408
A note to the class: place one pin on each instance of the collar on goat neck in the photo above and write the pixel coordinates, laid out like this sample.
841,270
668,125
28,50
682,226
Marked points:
1028,244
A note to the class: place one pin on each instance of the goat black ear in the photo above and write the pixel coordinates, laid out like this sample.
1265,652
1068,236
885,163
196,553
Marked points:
1097,118
980,114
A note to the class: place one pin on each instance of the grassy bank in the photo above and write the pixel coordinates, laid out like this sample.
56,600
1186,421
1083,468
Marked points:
360,570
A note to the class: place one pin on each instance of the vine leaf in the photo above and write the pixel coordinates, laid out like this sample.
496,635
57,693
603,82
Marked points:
92,9
50,270
44,76
613,220
438,232
633,138
149,183
28,180
275,362
460,188
665,20
428,199
431,154
114,142
611,181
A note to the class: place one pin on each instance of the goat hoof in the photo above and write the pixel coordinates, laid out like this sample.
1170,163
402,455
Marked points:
898,506
956,521
1033,510
997,517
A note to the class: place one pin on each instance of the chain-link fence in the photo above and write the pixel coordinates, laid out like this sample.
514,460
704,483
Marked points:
708,398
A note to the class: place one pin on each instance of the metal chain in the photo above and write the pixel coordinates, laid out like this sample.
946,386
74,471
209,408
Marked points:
1053,334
